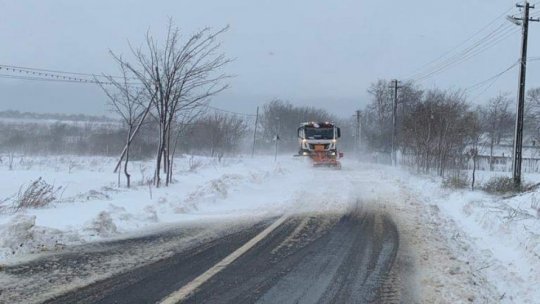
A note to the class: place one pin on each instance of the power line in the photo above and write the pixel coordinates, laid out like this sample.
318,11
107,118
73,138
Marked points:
46,75
8,76
492,80
479,48
471,53
478,43
494,77
231,112
462,59
430,63
60,72
49,75
464,42
485,90
504,34
37,78
43,76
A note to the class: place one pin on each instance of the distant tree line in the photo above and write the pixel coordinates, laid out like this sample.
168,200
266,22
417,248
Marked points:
55,116
90,138
441,130
212,133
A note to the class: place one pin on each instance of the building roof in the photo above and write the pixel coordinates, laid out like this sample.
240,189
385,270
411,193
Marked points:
506,150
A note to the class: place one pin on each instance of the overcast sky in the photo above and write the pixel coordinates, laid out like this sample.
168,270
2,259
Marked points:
320,53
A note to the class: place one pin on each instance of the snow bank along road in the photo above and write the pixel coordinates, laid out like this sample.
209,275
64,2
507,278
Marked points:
308,258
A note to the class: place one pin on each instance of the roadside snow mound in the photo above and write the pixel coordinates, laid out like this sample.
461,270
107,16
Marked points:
211,192
21,235
102,225
511,241
498,235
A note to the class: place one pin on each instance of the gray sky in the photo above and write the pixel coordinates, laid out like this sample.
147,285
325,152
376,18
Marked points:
320,53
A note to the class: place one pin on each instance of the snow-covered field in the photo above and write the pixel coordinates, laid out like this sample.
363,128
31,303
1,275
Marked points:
459,246
91,207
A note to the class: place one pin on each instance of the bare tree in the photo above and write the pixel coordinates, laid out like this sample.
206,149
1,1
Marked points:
218,133
497,121
533,96
532,113
184,119
475,134
131,103
377,120
182,76
379,116
437,131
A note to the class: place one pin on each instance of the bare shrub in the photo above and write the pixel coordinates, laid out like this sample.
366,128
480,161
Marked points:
38,194
500,185
71,165
456,181
3,206
219,157
535,205
28,164
10,161
94,163
149,183
142,170
103,225
194,164
218,133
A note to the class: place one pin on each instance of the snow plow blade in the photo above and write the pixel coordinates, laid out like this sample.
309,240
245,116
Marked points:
322,159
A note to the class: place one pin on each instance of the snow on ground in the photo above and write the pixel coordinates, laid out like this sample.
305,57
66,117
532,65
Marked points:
458,246
501,235
91,207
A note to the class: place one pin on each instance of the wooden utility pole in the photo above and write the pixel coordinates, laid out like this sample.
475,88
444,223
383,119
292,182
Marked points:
358,133
394,121
277,137
518,132
255,132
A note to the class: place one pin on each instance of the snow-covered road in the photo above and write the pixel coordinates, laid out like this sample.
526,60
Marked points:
323,258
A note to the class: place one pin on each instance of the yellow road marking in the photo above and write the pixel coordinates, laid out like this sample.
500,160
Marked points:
190,287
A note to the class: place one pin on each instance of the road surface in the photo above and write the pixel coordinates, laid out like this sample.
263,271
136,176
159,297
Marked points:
312,258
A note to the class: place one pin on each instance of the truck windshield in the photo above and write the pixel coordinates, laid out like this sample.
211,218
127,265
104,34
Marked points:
319,133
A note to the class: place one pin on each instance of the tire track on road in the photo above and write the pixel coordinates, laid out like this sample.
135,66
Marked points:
350,261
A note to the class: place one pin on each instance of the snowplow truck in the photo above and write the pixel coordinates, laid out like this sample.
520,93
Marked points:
318,141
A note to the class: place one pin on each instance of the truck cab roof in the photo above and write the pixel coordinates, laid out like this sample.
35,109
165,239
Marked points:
314,124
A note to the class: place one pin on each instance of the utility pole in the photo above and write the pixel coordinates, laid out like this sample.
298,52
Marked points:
518,134
255,132
394,121
277,136
358,134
